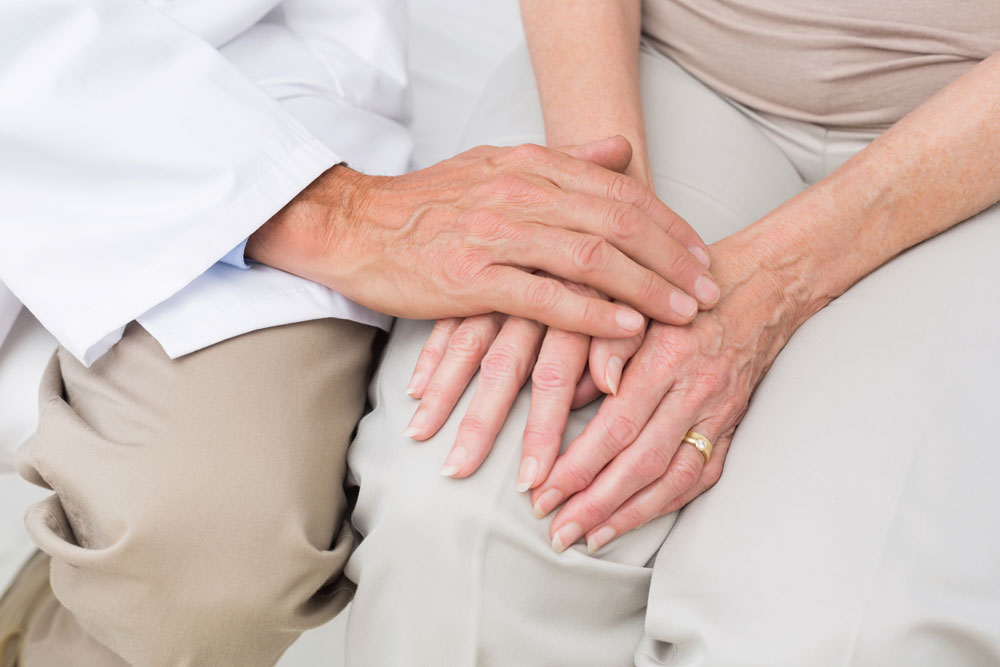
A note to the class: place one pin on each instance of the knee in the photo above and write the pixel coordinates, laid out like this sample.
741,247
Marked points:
213,586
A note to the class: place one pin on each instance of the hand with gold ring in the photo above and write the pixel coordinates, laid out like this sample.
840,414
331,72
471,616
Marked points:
662,440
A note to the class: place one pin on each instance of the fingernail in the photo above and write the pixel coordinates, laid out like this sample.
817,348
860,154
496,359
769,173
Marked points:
600,538
547,502
526,473
454,462
414,383
566,536
701,255
706,290
416,424
628,319
613,373
683,305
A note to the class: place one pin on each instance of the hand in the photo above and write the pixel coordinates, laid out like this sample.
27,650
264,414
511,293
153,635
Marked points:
456,239
628,466
504,350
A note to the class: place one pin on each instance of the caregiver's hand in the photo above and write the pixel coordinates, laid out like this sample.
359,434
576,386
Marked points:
505,350
465,236
629,466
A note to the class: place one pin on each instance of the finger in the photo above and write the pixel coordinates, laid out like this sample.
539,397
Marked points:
570,172
618,422
647,504
633,232
503,372
709,476
560,365
593,261
431,355
608,357
465,350
586,392
548,301
647,460
614,153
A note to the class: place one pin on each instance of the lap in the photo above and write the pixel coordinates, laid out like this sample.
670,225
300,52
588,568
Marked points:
475,559
191,493
855,522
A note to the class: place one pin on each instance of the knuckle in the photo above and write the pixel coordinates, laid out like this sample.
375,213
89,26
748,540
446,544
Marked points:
577,475
529,154
429,356
472,425
708,381
711,476
595,509
589,253
550,376
680,263
483,223
625,188
651,464
633,517
434,396
623,221
649,286
541,434
621,430
685,473
467,343
499,364
468,264
513,187
542,295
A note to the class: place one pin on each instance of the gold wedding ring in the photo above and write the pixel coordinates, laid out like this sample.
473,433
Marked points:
699,442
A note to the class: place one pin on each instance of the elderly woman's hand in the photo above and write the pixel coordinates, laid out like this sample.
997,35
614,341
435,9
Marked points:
629,465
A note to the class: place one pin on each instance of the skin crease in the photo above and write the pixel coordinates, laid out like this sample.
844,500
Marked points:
936,167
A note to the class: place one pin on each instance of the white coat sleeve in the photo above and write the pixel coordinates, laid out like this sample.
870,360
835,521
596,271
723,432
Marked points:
133,156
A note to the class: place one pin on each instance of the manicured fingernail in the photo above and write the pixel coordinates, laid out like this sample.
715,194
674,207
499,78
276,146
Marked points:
454,462
414,383
566,536
613,373
683,305
416,424
629,319
526,473
701,255
600,538
547,502
706,290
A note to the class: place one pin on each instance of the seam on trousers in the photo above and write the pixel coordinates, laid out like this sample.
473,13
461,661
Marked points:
484,545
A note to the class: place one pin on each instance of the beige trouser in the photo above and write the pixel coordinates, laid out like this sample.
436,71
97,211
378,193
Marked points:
199,508
856,522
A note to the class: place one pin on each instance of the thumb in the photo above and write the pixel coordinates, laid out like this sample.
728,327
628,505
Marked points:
608,357
612,153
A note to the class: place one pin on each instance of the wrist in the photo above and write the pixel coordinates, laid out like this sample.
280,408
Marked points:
307,236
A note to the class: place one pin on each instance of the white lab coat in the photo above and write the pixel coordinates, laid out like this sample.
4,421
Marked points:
140,142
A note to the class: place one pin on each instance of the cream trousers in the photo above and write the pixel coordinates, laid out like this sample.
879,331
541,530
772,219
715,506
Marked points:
856,522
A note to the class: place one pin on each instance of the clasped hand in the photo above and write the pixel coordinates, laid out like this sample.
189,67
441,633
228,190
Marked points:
628,466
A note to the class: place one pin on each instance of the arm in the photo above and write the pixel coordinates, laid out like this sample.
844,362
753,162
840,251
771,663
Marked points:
133,156
586,61
935,168
585,57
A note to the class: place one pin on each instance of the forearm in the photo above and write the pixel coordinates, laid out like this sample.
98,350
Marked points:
585,57
935,168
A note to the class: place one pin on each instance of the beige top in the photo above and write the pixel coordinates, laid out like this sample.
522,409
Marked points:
853,63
